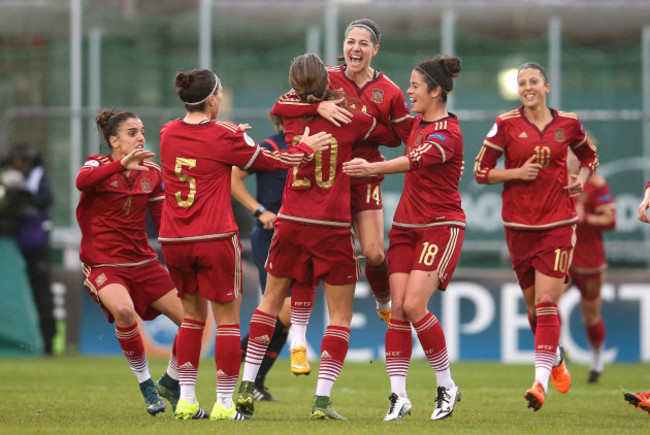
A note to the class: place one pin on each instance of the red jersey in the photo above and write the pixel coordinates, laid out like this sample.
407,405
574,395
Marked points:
542,203
318,192
430,196
112,212
589,252
380,97
197,160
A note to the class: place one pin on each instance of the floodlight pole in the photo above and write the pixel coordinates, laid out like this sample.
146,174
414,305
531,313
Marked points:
448,42
331,32
555,62
94,84
205,34
76,128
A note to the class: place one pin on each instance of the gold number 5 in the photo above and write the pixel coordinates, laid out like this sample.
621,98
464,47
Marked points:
190,163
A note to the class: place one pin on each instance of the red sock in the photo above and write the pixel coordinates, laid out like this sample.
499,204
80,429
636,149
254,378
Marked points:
259,336
547,335
188,348
596,334
227,356
399,347
377,277
334,348
302,302
432,339
132,346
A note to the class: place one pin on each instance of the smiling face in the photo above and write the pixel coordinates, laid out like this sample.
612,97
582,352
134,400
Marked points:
531,87
359,49
421,98
130,135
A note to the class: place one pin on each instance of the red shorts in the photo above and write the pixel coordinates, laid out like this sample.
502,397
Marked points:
589,284
211,268
366,196
548,252
310,253
434,249
145,283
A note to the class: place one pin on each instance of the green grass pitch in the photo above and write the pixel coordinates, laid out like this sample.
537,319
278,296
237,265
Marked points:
83,394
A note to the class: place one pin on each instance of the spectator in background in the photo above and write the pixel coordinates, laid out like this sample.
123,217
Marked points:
32,233
596,213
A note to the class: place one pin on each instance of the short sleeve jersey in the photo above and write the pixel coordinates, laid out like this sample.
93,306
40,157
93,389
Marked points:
589,252
542,203
197,161
430,196
318,192
112,211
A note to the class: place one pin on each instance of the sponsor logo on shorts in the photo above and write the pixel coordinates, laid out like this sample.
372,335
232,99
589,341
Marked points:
101,279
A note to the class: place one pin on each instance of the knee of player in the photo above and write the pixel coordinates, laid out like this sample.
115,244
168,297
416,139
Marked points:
124,314
374,255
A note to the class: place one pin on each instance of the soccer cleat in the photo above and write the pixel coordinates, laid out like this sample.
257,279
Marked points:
384,315
230,414
169,389
639,400
322,410
246,398
535,396
560,376
446,399
261,393
186,410
398,408
594,376
154,403
299,363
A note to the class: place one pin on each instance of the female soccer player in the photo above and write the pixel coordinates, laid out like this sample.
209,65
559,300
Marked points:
198,234
538,211
313,239
427,232
122,270
265,206
596,213
370,91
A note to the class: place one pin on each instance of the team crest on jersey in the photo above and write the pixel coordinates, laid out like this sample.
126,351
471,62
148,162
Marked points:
146,185
559,135
377,96
101,279
418,140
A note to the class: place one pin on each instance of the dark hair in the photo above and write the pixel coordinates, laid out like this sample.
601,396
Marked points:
308,78
276,120
364,23
108,122
194,87
440,72
368,24
538,67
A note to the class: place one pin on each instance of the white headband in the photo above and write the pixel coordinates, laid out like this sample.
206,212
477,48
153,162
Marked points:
216,84
372,32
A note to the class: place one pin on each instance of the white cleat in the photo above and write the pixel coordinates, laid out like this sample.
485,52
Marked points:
445,401
399,407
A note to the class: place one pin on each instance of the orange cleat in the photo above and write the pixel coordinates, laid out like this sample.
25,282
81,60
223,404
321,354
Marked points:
535,396
639,400
560,376
384,315
299,363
